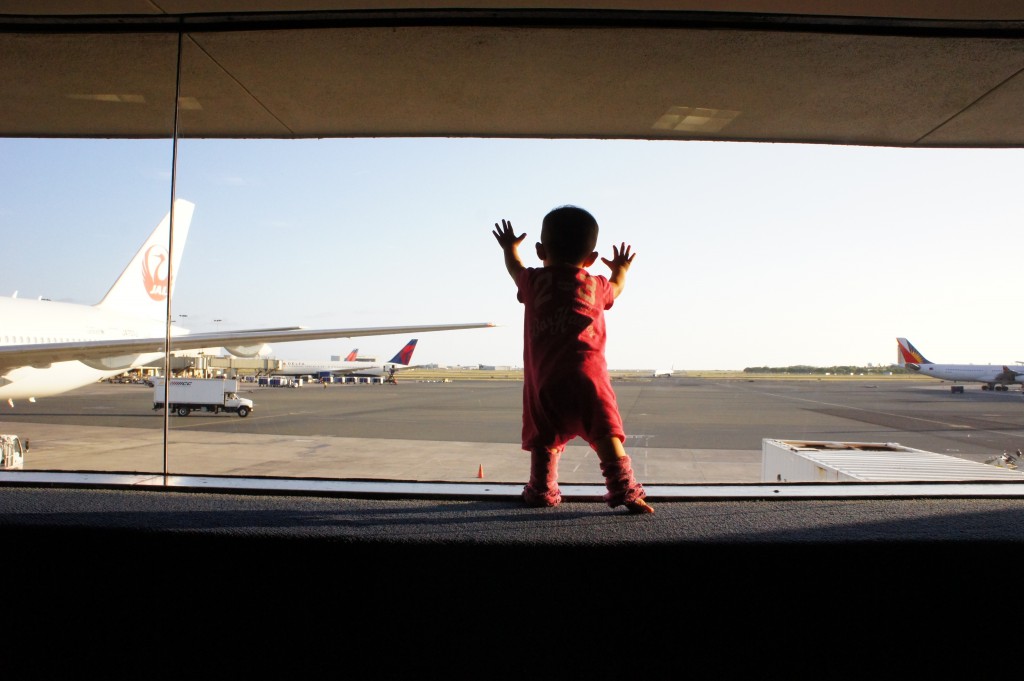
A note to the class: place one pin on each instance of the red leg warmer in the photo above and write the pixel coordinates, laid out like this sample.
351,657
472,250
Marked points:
622,488
542,490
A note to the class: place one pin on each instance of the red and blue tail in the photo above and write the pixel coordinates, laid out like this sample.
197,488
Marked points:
908,354
404,355
351,357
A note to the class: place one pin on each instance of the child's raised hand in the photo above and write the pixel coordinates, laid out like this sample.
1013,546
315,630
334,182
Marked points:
506,237
621,258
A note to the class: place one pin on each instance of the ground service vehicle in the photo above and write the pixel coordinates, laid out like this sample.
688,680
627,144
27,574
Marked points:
185,395
12,451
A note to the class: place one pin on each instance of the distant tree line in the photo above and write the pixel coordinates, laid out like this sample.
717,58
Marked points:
846,370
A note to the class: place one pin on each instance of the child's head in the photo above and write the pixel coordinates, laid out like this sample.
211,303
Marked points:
568,235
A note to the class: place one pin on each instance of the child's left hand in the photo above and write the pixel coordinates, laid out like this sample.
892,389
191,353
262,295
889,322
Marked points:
621,258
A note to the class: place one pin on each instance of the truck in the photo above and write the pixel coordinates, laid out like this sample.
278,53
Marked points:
12,451
186,395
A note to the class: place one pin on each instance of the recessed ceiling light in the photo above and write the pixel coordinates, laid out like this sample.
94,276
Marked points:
694,119
123,99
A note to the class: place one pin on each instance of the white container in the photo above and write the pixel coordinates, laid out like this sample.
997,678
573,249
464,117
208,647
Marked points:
825,461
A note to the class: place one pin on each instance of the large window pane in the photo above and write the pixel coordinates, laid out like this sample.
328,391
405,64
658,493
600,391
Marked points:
771,283
74,213
759,257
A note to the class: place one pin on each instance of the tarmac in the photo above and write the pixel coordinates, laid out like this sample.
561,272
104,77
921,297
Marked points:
311,438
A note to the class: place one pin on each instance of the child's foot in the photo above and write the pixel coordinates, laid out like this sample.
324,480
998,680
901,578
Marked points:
639,506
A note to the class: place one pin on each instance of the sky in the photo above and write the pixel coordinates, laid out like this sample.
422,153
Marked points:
746,254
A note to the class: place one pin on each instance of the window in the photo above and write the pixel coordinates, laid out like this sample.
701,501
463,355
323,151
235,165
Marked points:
771,282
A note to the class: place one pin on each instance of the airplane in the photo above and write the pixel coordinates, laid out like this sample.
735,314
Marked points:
351,357
401,360
991,376
48,348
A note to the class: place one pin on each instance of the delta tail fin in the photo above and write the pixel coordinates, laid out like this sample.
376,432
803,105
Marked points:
908,354
404,355
144,285
351,357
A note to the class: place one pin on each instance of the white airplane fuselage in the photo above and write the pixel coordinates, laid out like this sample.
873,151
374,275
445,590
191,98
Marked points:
967,373
292,367
298,367
34,322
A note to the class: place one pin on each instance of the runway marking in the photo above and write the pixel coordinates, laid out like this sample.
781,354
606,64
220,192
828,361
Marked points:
638,452
875,411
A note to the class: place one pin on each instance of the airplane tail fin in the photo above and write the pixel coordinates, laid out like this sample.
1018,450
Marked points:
908,354
404,355
144,285
351,357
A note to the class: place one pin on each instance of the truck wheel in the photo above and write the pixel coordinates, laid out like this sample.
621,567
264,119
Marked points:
182,411
243,411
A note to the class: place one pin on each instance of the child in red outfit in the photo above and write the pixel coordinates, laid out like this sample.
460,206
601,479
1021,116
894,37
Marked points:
567,391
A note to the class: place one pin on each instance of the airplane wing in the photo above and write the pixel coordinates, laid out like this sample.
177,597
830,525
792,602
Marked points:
112,354
1008,374
372,366
352,370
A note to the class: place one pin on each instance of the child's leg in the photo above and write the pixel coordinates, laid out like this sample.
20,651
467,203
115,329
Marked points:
623,489
542,490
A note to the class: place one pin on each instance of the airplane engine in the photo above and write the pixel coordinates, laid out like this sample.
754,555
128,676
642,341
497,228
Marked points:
111,363
261,350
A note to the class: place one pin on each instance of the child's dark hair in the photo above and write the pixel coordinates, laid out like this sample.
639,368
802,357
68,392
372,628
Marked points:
569,234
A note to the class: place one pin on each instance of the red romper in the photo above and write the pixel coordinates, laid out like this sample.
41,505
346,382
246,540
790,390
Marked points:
567,391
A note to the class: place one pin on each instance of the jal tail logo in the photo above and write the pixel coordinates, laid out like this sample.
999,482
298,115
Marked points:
154,272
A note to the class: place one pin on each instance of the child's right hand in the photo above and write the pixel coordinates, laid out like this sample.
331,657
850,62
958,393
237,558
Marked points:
506,237
621,258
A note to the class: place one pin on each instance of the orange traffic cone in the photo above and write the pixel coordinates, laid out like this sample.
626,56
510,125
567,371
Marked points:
480,473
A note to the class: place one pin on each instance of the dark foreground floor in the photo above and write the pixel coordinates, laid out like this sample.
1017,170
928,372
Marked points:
164,583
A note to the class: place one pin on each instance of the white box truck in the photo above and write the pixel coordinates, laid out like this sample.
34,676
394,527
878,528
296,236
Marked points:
185,395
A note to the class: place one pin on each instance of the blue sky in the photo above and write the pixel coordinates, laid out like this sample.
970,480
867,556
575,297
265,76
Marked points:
747,254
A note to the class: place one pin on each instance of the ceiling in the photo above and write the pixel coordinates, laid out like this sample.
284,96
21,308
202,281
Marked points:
912,73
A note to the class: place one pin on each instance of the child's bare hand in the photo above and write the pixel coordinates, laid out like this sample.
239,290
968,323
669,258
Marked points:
506,237
621,258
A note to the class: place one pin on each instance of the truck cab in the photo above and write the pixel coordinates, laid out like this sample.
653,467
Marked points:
12,451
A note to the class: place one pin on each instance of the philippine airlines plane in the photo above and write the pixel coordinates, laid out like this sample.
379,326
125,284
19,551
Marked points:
47,348
298,367
991,376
